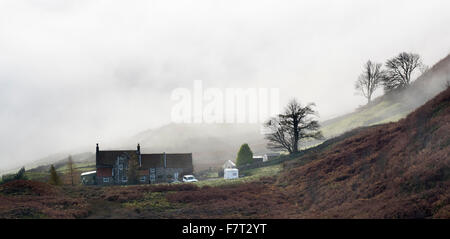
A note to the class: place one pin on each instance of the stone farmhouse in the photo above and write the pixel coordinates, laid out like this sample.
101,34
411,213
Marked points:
112,166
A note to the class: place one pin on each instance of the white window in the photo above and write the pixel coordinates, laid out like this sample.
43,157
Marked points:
143,178
120,166
106,180
235,174
124,179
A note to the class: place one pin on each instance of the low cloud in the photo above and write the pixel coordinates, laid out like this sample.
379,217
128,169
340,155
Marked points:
76,72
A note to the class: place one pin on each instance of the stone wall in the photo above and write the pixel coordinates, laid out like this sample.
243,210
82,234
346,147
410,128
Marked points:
165,175
100,181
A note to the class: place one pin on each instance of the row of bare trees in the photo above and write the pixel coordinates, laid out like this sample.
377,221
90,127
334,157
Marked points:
396,75
298,122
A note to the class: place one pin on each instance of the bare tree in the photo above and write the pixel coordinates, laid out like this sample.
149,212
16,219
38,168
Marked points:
70,169
133,169
370,79
295,124
400,69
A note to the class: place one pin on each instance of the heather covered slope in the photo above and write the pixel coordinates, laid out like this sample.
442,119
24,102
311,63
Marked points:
396,170
30,199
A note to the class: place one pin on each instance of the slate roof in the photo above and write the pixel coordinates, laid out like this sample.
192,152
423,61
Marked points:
107,158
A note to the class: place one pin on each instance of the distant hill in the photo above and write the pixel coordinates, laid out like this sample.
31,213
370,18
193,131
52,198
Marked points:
211,144
60,161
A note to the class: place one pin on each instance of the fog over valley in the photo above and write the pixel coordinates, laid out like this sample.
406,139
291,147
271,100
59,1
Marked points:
76,73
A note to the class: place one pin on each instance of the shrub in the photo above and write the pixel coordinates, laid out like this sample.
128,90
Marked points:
54,177
20,175
245,155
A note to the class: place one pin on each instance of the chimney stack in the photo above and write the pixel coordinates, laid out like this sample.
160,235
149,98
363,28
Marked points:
139,154
96,154
165,160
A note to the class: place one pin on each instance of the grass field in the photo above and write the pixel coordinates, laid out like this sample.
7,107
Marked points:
213,179
84,167
383,112
42,175
250,175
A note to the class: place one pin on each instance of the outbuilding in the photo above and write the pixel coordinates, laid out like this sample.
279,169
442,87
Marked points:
229,164
89,178
258,159
270,156
230,173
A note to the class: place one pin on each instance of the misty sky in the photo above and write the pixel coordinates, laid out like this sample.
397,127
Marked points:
73,73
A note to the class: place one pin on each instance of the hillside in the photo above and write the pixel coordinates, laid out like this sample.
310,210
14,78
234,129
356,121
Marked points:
394,170
392,107
83,162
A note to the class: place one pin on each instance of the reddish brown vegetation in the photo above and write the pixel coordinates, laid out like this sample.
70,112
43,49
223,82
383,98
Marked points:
124,194
252,200
29,199
23,187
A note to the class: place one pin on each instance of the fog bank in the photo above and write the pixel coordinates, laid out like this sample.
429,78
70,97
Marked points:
73,73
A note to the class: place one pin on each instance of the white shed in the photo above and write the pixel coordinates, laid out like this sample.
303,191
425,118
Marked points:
230,173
